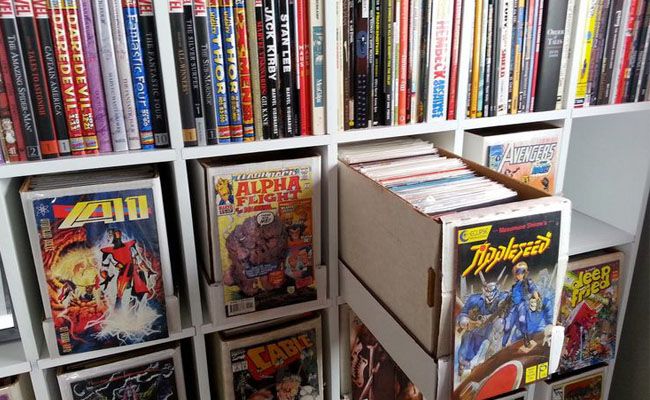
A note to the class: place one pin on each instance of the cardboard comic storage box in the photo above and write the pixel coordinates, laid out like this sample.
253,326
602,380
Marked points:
395,250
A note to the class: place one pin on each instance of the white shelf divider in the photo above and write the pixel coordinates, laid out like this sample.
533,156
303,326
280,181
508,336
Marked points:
12,359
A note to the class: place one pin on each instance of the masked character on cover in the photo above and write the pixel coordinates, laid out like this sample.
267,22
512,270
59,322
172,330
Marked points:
524,300
133,269
476,319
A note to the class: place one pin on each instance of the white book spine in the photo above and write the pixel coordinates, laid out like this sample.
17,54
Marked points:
110,76
566,51
317,66
414,57
124,72
505,20
439,53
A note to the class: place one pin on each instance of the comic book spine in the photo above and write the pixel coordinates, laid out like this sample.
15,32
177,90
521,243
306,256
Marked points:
147,23
14,108
403,61
50,69
513,40
386,68
597,53
566,50
623,71
610,43
425,67
376,62
532,81
644,77
360,74
218,66
35,75
505,21
179,44
371,60
476,59
80,76
317,55
527,55
200,15
245,80
481,79
488,59
272,60
286,83
19,78
413,80
192,59
455,53
95,85
110,77
439,50
635,59
260,112
304,67
519,27
640,72
346,50
232,70
295,76
8,135
397,9
256,19
583,75
124,72
351,65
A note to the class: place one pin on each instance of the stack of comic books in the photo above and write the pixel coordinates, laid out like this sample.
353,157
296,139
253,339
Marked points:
79,77
528,153
249,70
100,249
270,361
259,230
614,60
399,61
155,375
8,327
432,183
16,388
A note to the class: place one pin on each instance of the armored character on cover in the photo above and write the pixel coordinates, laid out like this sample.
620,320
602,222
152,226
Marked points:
523,291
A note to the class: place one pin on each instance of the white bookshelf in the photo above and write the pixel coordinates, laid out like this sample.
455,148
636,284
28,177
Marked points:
604,170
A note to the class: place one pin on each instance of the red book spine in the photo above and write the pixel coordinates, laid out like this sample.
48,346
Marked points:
627,51
66,78
245,85
455,52
17,139
304,66
403,62
8,133
81,78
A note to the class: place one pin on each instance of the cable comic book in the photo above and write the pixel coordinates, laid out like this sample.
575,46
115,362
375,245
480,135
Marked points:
102,259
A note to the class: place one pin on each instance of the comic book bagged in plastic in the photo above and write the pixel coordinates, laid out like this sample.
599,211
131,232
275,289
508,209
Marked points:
154,376
283,363
589,310
101,255
589,385
261,232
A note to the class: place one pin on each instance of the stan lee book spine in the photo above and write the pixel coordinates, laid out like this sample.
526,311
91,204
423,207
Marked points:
232,70
218,66
192,59
205,71
245,80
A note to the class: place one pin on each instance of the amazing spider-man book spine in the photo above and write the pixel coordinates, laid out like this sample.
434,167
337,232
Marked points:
102,261
8,134
15,136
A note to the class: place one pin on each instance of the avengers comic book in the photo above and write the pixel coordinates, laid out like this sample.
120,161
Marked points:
507,265
265,232
282,363
102,260
589,310
155,376
586,386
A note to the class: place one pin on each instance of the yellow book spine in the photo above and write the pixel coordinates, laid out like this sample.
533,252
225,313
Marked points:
583,77
476,59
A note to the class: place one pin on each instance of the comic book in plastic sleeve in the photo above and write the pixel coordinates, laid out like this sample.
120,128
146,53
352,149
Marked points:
589,385
157,375
101,257
589,310
265,232
507,265
284,363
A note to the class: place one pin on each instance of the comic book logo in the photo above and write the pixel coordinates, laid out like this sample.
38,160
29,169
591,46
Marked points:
132,208
471,235
267,359
590,282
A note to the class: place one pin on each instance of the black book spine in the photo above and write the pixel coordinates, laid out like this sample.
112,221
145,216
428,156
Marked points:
351,30
361,66
272,60
287,100
494,81
205,71
376,61
609,56
18,73
643,91
598,49
179,44
387,73
56,100
147,22
267,121
193,63
635,61
550,56
295,66
639,71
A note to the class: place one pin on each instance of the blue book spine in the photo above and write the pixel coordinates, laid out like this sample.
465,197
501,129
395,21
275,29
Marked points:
219,73
138,73
232,69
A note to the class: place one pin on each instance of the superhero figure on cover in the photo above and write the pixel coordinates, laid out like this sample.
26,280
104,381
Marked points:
133,270
525,300
475,320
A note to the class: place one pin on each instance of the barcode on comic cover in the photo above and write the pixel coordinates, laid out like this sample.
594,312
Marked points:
239,366
240,306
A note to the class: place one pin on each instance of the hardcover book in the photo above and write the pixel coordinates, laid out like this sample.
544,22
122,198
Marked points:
529,153
589,310
261,231
101,256
284,363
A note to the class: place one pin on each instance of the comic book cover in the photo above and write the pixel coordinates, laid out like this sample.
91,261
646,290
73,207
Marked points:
588,386
266,217
154,376
589,310
101,258
283,363
374,374
505,292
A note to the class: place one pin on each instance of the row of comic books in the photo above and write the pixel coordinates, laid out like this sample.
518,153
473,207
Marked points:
248,70
400,61
615,65
79,77
519,56
100,250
